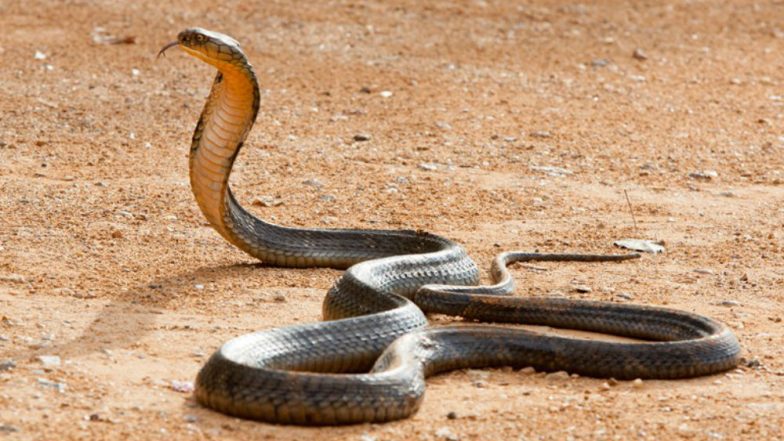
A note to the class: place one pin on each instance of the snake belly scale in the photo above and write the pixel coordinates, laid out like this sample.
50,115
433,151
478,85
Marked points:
367,362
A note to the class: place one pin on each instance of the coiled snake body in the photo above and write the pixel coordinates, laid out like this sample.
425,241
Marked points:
369,360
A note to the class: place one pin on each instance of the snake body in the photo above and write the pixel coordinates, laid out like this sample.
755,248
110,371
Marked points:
368,361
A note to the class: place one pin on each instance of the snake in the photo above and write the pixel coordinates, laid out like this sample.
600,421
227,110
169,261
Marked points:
367,361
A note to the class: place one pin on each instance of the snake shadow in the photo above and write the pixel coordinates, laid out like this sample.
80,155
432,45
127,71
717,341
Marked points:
130,316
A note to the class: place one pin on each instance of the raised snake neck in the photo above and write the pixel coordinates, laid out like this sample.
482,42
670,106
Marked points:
368,362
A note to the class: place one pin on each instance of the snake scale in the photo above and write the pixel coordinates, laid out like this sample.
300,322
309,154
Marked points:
367,362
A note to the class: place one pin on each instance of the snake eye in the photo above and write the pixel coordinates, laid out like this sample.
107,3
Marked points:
200,38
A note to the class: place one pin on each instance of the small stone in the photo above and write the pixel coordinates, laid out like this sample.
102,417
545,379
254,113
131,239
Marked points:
612,382
446,434
385,93
280,298
267,201
95,417
451,415
604,386
704,175
638,54
39,55
199,286
313,182
367,437
117,234
13,278
7,428
428,166
60,387
7,365
49,361
443,125
624,296
637,383
528,370
729,303
328,197
753,363
135,72
704,271
599,62
361,137
551,170
583,288
557,376
191,418
365,89
182,386
540,134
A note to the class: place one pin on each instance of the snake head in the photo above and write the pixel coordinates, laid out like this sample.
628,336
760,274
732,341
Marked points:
211,47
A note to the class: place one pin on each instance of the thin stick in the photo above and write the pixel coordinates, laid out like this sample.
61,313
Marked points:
631,211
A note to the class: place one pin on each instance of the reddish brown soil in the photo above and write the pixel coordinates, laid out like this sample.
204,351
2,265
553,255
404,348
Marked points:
106,262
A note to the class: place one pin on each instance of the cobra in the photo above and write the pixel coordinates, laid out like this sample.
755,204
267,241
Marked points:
367,362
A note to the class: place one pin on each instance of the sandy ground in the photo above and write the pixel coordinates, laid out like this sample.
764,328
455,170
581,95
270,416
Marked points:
106,262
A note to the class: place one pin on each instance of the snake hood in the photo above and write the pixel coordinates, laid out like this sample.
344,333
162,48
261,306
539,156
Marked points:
211,47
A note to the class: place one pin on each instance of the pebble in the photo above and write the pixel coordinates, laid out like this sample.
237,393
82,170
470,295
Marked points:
704,271
551,170
7,365
361,137
605,386
385,93
557,376
729,303
4,338
428,166
451,415
599,62
53,384
447,434
199,286
7,428
39,55
328,197
541,134
367,437
638,54
528,370
267,201
14,278
753,363
280,298
49,361
583,288
191,418
182,386
443,125
313,182
638,383
624,296
704,175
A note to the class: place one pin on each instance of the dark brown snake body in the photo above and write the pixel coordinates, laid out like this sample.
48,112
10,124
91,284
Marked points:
368,361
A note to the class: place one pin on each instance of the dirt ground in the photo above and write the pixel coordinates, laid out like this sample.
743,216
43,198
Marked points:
502,125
